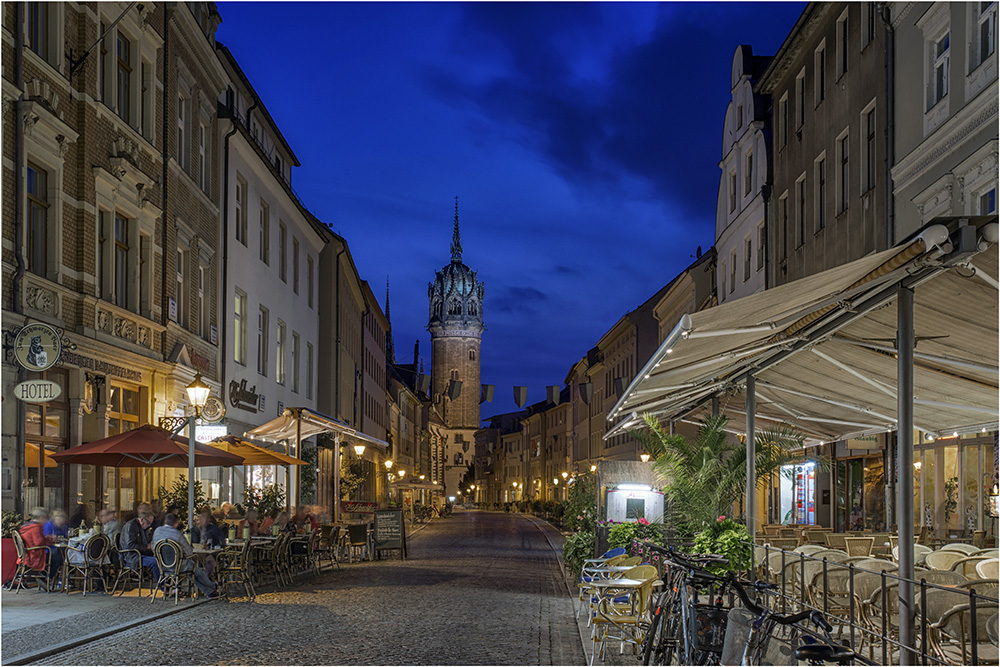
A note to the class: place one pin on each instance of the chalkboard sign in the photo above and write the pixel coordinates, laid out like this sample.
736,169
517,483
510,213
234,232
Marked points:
390,532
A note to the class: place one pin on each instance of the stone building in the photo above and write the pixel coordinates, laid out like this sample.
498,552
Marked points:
740,229
456,326
827,85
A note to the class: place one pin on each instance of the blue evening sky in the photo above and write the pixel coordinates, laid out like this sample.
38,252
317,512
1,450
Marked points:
582,139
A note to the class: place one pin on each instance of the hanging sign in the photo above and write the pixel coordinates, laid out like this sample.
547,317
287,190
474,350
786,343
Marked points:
37,347
37,391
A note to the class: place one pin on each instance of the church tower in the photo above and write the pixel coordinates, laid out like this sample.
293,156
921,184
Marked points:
456,326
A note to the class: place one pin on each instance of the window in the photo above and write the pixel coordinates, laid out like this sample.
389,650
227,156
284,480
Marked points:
102,63
732,191
102,241
843,172
783,219
761,245
279,368
38,223
783,121
819,64
241,210
868,122
38,28
732,271
984,43
747,257
820,169
938,87
121,280
146,104
204,314
988,202
722,286
309,278
203,157
800,99
124,68
739,116
748,174
240,328
800,198
264,236
871,16
182,304
282,259
472,355
295,362
183,138
262,341
842,42
309,367
295,265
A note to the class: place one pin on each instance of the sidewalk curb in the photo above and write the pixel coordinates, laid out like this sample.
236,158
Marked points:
26,658
585,642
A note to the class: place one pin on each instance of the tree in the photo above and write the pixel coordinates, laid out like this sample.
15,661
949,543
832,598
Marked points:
707,476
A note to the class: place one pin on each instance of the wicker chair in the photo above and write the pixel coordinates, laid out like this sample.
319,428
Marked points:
835,540
234,568
170,559
943,560
126,574
22,570
859,546
967,566
950,635
966,549
93,556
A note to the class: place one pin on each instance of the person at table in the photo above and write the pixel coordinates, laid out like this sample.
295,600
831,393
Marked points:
249,521
170,531
82,517
207,532
135,538
303,518
265,526
33,535
284,523
56,528
109,522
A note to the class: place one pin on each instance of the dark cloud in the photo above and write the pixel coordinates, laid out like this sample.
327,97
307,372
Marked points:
516,299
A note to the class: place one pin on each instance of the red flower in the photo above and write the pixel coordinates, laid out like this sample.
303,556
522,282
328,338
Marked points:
721,518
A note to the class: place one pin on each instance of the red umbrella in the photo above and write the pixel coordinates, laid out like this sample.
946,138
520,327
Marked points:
147,446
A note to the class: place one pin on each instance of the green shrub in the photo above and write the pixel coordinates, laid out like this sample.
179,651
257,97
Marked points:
11,522
623,534
578,547
178,495
581,508
271,497
728,538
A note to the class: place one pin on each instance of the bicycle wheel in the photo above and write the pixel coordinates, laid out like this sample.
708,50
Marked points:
652,640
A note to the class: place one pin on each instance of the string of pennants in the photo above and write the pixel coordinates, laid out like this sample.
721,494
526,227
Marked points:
552,392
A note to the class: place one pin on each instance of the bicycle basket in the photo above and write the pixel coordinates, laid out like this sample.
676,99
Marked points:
709,627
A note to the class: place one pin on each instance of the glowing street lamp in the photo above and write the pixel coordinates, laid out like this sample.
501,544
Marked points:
197,393
644,457
388,464
565,474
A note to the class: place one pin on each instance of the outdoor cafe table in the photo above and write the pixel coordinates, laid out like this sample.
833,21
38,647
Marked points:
617,584
609,569
200,553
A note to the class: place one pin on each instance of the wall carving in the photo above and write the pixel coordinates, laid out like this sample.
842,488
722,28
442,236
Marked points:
41,299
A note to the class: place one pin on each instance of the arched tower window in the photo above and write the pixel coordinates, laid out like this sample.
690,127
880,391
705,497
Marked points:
472,355
473,310
455,307
454,375
438,308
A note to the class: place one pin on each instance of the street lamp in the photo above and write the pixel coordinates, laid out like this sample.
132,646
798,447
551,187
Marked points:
593,468
564,474
388,464
197,393
644,457
401,473
359,450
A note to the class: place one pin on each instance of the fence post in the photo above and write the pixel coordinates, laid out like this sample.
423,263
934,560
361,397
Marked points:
826,594
802,578
850,593
973,629
885,615
923,621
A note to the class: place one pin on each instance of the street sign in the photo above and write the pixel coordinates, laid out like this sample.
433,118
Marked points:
37,347
37,391
390,531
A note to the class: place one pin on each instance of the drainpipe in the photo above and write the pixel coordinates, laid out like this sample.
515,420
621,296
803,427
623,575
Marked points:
890,63
19,238
164,308
224,319
336,382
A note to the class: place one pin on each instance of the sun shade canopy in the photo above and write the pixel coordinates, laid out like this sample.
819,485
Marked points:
822,349
309,423
416,483
147,446
254,455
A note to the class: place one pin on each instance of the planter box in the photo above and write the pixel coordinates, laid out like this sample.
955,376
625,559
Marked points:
8,558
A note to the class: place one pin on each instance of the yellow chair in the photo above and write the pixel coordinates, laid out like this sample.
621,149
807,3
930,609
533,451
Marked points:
623,611
859,546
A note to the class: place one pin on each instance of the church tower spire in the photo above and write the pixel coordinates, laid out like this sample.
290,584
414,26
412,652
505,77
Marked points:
390,348
456,239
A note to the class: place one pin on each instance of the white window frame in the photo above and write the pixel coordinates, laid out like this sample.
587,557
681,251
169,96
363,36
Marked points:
204,148
982,67
310,273
182,261
748,257
722,286
281,343
263,328
800,99
801,203
264,233
309,373
183,121
50,52
732,270
733,196
240,209
783,221
748,174
935,24
782,120
240,308
295,264
282,251
761,245
296,353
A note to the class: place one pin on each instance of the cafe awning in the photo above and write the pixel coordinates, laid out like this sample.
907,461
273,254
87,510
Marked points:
822,349
303,423
254,455
416,483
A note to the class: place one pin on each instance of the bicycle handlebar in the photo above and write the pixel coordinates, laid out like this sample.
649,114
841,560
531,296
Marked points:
754,608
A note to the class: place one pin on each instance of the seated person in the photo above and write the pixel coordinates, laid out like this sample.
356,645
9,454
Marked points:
108,518
265,526
82,517
135,538
169,531
33,535
284,524
250,521
207,532
56,527
302,518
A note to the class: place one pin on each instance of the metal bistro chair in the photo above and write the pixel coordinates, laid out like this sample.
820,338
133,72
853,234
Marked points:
94,554
234,568
327,545
127,574
22,571
170,559
357,541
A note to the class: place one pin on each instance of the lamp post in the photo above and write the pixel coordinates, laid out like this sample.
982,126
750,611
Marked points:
197,393
644,457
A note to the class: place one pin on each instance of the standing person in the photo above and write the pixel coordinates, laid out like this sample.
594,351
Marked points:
33,535
135,537
169,531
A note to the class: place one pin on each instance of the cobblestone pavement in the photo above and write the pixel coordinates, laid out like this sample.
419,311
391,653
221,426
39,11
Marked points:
478,588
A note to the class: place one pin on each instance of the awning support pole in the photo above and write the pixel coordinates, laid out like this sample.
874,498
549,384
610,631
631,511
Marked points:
298,455
336,478
751,463
904,487
715,405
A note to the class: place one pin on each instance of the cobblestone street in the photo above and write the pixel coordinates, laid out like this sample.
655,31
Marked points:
478,588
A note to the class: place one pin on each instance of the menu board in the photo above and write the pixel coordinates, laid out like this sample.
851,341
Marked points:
390,531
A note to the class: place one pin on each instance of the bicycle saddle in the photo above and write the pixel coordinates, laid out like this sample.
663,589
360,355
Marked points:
824,653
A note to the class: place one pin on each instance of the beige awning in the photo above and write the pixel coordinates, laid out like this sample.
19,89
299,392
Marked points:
416,483
304,423
822,348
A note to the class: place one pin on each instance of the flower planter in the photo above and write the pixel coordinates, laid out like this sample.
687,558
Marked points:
8,558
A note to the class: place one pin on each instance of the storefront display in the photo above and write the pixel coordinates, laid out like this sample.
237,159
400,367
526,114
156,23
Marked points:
798,493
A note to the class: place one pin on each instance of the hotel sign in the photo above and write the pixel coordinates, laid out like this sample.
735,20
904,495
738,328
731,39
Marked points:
37,391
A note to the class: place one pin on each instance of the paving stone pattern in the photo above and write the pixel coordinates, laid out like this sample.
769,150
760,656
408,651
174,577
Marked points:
478,588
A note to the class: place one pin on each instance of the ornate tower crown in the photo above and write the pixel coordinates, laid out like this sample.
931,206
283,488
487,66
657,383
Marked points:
456,295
